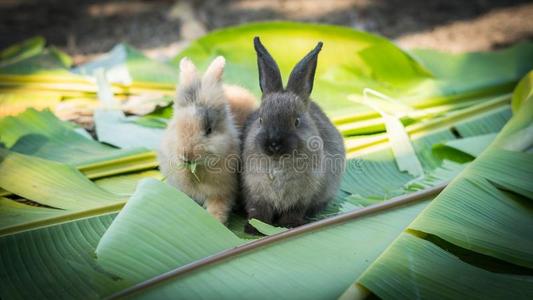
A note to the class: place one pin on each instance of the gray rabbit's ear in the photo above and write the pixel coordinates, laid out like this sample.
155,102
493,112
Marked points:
269,75
303,74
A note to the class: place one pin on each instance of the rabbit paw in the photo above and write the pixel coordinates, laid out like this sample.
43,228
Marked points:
291,220
218,208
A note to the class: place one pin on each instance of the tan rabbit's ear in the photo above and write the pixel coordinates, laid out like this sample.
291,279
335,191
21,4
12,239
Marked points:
188,72
215,70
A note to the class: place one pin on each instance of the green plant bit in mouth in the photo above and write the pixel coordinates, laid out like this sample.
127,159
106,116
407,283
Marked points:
191,166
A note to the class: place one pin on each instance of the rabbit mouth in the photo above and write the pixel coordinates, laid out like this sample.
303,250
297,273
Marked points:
206,159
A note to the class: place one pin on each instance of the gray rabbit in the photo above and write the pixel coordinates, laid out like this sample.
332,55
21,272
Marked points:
293,156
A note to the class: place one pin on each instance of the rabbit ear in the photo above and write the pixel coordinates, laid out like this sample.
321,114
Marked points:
303,74
214,72
269,75
188,72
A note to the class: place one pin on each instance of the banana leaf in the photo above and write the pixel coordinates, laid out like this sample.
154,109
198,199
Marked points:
491,220
23,50
51,61
371,177
430,81
125,64
61,188
55,262
475,235
41,134
60,148
352,60
380,181
269,271
113,127
252,275
29,67
523,91
12,104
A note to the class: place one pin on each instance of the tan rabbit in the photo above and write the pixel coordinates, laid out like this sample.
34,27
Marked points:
199,152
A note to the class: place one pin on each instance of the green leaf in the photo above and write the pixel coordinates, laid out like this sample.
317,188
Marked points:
472,146
127,183
523,92
478,69
15,103
375,174
484,213
23,50
15,213
417,269
289,269
41,134
156,221
347,62
351,61
462,97
52,184
113,127
265,228
55,262
125,64
482,222
47,62
399,141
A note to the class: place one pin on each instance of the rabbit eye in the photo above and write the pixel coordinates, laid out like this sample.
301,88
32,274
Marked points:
297,122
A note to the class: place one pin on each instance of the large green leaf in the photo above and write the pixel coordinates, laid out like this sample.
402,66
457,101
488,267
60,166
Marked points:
523,91
23,50
15,103
157,220
125,64
486,214
113,127
157,214
50,61
348,61
472,146
447,106
55,262
14,213
420,269
41,134
375,174
352,60
52,184
482,69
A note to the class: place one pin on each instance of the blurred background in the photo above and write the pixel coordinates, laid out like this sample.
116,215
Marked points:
161,28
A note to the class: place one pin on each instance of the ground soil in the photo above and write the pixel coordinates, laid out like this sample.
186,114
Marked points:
162,27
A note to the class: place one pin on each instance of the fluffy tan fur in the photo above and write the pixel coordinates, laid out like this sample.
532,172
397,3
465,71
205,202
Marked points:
215,183
242,103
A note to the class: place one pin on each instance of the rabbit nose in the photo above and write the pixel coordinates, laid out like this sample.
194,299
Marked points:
274,146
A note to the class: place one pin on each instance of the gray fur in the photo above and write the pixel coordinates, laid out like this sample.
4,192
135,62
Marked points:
285,186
